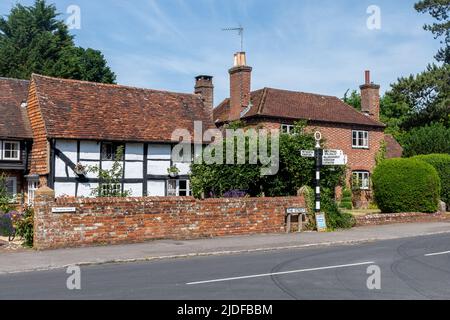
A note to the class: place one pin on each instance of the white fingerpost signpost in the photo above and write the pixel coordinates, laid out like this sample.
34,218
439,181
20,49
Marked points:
322,158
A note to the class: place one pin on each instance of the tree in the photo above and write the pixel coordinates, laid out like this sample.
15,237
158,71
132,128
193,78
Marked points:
439,10
34,40
420,100
434,138
353,100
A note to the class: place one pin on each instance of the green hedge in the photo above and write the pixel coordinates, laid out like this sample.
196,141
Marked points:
406,185
441,162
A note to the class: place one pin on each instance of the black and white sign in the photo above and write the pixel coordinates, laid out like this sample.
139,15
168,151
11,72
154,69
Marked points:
296,210
307,153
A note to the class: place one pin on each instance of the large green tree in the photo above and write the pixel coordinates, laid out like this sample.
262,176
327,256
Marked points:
34,40
439,10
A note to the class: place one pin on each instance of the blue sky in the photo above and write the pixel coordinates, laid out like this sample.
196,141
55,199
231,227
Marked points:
320,46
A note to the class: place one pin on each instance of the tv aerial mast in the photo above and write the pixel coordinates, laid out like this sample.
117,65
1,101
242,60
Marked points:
240,31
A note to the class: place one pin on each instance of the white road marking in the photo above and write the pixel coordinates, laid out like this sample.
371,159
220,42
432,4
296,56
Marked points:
437,254
281,273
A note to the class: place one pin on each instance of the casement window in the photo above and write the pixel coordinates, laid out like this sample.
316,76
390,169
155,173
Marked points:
111,189
11,186
178,188
109,151
287,128
361,180
360,139
11,150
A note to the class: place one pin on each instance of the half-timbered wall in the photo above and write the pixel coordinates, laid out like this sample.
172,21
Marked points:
145,167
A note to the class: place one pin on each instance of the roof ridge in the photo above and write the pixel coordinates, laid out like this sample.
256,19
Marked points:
302,92
112,85
14,79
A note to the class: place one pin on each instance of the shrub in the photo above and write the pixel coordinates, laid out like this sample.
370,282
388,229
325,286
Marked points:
346,201
335,218
406,185
6,224
24,226
441,162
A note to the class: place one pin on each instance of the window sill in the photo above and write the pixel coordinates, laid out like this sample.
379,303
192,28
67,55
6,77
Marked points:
361,148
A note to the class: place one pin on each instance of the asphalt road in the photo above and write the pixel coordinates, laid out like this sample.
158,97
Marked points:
412,268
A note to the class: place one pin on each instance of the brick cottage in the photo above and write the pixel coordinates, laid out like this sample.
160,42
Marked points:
359,134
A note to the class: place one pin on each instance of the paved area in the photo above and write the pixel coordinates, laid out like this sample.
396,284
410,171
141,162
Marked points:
408,268
45,260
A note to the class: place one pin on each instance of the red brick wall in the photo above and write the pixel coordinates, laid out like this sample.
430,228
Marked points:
128,220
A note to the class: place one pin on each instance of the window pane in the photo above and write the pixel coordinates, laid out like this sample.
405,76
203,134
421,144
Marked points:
172,188
183,184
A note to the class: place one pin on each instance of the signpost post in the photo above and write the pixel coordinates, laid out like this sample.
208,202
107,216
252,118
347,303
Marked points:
322,158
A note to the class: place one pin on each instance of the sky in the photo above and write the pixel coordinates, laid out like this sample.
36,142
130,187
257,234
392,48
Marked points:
318,46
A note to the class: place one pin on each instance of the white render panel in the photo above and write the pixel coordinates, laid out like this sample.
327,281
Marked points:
90,150
133,170
185,168
135,188
60,169
134,151
85,189
107,165
65,189
159,151
158,168
69,149
89,164
156,188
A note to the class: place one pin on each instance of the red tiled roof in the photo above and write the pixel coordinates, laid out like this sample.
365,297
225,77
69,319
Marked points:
278,103
14,122
74,109
393,148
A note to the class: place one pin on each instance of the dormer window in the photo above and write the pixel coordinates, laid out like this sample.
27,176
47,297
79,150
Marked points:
11,150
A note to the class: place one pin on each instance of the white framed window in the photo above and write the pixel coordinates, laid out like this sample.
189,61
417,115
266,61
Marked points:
11,150
287,128
361,180
33,185
360,139
111,189
178,188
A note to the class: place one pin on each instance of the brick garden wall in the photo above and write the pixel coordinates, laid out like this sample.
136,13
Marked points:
130,220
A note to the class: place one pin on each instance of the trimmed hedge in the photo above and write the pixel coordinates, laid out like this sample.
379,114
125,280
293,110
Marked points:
406,185
441,162
346,201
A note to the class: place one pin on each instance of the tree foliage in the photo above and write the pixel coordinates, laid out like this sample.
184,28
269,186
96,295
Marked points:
440,11
434,138
34,40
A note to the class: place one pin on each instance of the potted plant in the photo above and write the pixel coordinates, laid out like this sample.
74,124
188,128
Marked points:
80,169
173,171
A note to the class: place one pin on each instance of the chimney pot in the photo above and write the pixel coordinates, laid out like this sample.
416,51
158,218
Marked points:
205,88
370,98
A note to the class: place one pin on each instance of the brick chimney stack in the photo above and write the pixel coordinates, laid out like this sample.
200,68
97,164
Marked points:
205,88
370,98
240,86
